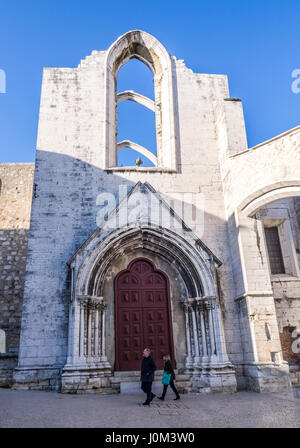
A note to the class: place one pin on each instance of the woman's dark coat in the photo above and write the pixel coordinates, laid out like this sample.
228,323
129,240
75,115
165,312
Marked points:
169,369
148,369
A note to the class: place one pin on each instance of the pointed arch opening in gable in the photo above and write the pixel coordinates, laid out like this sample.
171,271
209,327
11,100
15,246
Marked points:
145,48
136,129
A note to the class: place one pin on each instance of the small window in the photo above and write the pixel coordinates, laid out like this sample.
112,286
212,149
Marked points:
274,250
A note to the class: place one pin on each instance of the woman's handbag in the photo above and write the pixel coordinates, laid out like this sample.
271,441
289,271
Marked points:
166,378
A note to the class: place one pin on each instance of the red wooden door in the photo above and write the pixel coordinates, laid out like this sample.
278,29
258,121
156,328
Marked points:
142,315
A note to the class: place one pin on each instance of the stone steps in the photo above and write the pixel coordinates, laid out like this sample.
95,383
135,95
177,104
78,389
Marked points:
129,382
101,391
135,376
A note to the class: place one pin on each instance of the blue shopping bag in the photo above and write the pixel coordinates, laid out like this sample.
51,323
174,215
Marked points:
166,378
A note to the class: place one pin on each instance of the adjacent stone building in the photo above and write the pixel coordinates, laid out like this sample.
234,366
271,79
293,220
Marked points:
16,181
196,256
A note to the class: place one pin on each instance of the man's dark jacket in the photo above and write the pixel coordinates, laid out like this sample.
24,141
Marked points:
148,369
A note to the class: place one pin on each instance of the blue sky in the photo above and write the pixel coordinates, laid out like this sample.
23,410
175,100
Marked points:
256,43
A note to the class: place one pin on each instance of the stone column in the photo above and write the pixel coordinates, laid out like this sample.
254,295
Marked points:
71,320
197,359
103,355
204,349
70,345
213,349
189,359
221,351
89,370
210,368
82,329
96,330
89,327
74,325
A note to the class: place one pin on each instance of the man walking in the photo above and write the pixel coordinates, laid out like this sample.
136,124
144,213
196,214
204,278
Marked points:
147,375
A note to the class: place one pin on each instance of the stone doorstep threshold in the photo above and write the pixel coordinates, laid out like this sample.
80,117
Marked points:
133,373
134,387
134,376
130,382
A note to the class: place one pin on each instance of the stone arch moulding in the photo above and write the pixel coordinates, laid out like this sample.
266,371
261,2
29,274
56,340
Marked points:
130,95
144,47
268,194
205,349
197,276
144,151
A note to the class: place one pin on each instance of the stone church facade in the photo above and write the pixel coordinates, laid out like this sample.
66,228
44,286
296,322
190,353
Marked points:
197,256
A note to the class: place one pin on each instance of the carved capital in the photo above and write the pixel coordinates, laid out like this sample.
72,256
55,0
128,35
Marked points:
206,303
186,306
103,306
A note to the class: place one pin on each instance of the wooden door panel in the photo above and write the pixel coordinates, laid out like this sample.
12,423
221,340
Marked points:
142,315
131,338
128,298
154,298
128,281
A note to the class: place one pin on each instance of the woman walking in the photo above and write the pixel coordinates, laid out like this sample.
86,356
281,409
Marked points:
168,378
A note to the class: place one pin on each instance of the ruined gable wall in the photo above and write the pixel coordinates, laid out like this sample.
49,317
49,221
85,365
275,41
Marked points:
70,174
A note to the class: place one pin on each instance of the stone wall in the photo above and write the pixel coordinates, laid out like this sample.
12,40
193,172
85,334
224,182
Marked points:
70,174
276,172
15,204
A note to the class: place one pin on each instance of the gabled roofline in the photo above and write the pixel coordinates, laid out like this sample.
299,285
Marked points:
152,190
266,142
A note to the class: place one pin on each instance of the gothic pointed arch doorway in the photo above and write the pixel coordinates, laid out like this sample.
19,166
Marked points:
142,315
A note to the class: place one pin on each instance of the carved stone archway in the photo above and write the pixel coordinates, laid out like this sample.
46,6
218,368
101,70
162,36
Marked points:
206,356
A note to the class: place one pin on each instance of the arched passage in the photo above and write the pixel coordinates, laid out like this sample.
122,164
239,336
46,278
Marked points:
195,315
268,194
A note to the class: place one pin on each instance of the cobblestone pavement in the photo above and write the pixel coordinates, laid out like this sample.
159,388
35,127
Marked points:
36,409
